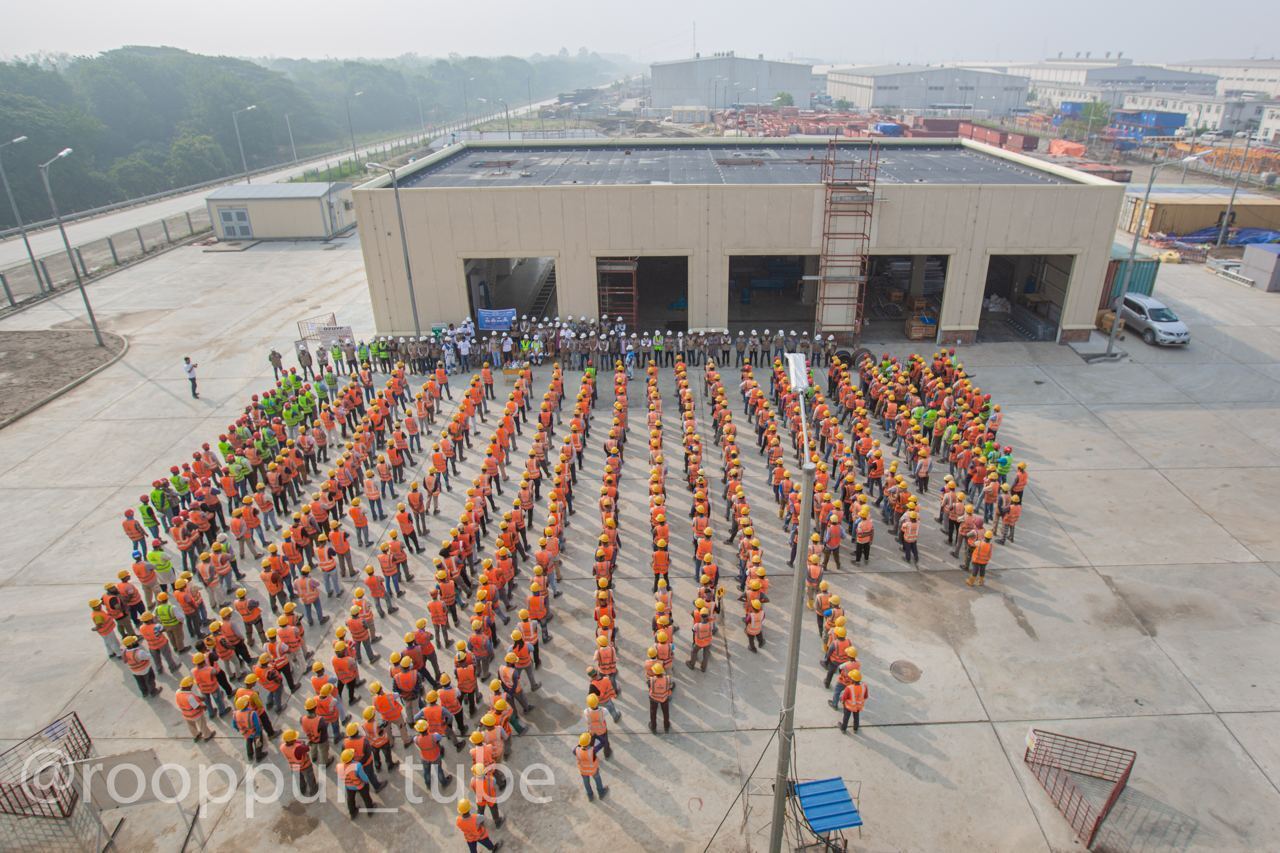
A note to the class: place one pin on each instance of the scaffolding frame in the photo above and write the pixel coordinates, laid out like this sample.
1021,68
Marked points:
849,187
618,289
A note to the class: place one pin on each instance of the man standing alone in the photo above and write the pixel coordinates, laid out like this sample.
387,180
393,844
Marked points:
189,368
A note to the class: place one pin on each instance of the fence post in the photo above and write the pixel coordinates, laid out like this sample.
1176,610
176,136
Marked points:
191,228
48,278
165,226
7,292
143,245
115,258
80,258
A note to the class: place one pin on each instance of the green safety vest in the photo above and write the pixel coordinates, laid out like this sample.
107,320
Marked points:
363,352
225,448
180,484
159,499
657,342
239,469
1004,464
335,352
159,562
164,613
148,515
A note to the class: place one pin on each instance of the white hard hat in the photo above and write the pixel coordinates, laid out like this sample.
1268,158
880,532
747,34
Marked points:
633,334
740,334
831,337
766,331
806,334
619,320
753,331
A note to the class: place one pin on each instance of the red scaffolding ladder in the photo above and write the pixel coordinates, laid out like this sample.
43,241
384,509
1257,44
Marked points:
617,288
850,188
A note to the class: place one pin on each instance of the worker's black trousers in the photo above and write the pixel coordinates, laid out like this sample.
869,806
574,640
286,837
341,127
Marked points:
363,793
654,705
307,782
844,723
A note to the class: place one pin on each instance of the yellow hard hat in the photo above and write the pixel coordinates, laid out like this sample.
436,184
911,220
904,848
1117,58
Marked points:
347,755
584,739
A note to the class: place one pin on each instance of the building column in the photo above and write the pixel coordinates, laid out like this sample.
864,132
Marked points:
917,276
961,301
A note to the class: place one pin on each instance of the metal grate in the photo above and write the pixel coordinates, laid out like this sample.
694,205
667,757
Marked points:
1055,758
309,329
35,780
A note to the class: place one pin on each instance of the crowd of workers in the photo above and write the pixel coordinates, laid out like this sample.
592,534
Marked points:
297,481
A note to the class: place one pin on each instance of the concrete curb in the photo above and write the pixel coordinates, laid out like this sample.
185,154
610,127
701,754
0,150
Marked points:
69,386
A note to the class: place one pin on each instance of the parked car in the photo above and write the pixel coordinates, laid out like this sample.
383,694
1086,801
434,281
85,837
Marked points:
1153,319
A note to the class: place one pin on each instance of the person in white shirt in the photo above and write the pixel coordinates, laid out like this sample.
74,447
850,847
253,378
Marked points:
189,368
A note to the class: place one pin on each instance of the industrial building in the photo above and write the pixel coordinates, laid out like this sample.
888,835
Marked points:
907,237
928,87
723,79
1058,80
1180,209
1238,77
303,210
1203,112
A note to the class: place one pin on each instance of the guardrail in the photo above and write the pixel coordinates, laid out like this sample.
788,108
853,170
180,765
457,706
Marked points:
98,257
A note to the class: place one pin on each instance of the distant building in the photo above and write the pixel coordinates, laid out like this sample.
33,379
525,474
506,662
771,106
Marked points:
720,80
1058,80
1269,126
927,87
1239,76
691,115
1207,112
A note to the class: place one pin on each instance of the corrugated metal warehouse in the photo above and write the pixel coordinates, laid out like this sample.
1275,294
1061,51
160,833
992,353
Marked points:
723,79
726,234
923,87
1185,208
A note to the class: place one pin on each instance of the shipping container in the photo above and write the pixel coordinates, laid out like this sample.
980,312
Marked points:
887,128
1145,270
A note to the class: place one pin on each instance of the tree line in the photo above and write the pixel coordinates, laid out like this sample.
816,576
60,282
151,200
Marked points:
142,120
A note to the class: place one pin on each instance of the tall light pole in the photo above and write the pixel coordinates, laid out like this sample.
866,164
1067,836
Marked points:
404,243
235,120
466,101
22,228
289,127
506,111
422,119
53,206
786,725
1133,249
351,128
1235,186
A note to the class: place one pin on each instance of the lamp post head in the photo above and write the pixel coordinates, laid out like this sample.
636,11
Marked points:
358,94
251,107
65,152
17,139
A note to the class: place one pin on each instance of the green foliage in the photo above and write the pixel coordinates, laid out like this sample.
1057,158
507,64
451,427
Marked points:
842,104
784,99
146,119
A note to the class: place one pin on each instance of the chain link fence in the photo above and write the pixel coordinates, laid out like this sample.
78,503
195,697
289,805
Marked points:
22,283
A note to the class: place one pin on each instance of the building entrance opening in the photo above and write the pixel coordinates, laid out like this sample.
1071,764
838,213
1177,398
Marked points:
648,293
904,297
525,285
771,291
1024,296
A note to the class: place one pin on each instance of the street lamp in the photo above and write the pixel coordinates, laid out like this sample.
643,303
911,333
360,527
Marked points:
404,242
1235,186
22,228
53,205
422,119
1133,249
235,120
466,102
351,128
292,147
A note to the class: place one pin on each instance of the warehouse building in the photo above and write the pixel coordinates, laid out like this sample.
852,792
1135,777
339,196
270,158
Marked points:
1239,76
723,79
927,87
1204,112
1060,80
303,210
1181,209
703,234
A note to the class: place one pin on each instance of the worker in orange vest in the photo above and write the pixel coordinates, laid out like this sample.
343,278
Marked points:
586,753
979,557
597,725
473,829
354,780
852,701
660,687
193,708
702,635
298,753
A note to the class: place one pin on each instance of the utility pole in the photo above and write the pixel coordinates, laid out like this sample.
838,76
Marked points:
1235,187
53,205
289,127
17,217
786,727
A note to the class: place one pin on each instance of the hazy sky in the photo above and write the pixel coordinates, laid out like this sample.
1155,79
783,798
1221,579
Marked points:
839,30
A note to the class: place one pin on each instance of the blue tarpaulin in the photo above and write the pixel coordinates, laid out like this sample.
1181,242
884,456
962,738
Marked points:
1235,236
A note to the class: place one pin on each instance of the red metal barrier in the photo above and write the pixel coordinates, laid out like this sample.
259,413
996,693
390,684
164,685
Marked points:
35,777
1053,758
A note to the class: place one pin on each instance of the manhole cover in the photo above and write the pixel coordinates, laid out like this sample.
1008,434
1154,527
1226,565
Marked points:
905,671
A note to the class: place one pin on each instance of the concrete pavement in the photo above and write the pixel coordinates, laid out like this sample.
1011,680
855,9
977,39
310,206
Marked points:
1138,607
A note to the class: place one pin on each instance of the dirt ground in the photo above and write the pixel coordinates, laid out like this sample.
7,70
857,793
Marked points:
33,365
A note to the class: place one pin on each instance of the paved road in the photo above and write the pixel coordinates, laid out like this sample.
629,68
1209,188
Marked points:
12,252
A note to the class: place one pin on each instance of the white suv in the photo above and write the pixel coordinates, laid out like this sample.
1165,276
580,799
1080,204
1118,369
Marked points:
1156,323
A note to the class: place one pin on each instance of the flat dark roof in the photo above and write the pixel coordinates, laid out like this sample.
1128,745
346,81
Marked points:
614,164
